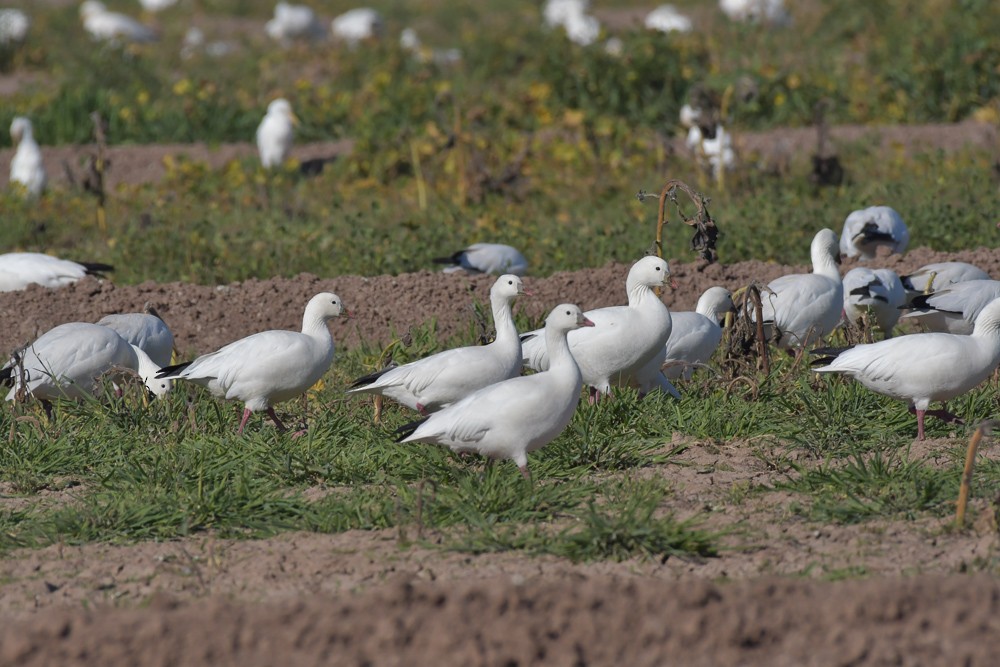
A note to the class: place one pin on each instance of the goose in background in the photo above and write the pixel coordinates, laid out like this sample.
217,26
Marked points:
18,270
112,27
937,276
694,336
955,308
878,289
276,133
26,167
866,230
147,332
485,258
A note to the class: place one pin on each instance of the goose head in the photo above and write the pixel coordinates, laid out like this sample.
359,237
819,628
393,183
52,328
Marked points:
20,128
649,271
281,108
325,306
566,317
508,286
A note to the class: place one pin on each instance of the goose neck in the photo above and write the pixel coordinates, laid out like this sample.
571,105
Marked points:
503,318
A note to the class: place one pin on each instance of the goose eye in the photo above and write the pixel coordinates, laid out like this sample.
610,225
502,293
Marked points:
657,268
510,282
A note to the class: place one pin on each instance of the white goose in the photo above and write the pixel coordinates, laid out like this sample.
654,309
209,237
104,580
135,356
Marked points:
14,25
486,258
429,384
356,25
955,308
147,332
801,307
937,276
516,416
112,26
868,229
67,361
269,367
923,368
666,18
694,336
275,133
625,339
293,22
764,11
878,289
26,167
20,269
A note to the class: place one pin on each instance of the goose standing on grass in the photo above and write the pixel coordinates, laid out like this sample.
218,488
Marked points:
937,276
955,308
275,133
866,230
356,25
269,367
26,167
14,25
112,26
923,368
292,22
625,339
429,384
486,258
694,336
878,289
147,332
20,269
801,307
511,418
67,361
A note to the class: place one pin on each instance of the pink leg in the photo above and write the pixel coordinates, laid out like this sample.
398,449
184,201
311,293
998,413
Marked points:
525,472
920,424
422,410
243,422
277,422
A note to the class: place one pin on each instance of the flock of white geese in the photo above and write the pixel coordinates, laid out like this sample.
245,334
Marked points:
478,399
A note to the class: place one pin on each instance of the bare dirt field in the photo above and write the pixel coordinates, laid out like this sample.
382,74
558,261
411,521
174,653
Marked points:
386,597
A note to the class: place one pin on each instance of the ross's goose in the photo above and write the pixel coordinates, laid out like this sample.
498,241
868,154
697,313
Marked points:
486,258
511,418
801,307
666,18
147,332
923,368
556,12
293,22
436,381
932,277
269,367
20,269
154,6
955,308
356,25
26,167
877,289
68,360
868,229
694,336
275,133
112,26
14,25
625,339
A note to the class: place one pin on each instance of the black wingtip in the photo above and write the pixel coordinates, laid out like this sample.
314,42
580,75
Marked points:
528,336
366,380
406,430
451,259
96,268
827,355
7,376
170,371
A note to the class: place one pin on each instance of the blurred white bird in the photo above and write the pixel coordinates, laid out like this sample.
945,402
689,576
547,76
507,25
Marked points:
801,307
878,289
275,133
666,18
269,367
618,351
762,11
694,336
431,383
925,367
154,6
571,16
937,276
112,26
292,22
68,360
14,25
955,308
867,229
410,41
20,269
356,25
511,418
486,258
147,332
26,167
